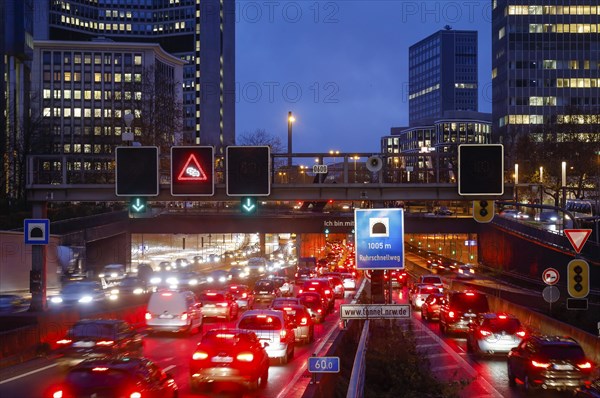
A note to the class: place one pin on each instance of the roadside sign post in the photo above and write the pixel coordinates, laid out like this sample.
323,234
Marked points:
322,365
550,276
374,311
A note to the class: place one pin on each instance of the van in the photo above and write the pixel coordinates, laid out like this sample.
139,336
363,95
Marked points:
256,266
173,311
113,272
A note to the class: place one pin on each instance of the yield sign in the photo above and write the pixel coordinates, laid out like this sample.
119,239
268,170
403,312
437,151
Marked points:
578,237
192,171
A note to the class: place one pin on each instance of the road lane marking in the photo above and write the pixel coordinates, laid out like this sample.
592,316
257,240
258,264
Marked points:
169,368
28,374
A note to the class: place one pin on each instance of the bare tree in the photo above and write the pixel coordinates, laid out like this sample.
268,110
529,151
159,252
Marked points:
262,137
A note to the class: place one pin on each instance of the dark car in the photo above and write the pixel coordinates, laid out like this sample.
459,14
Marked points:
131,286
460,309
443,211
316,304
12,303
219,304
493,333
430,309
229,355
323,287
117,377
265,290
304,274
98,338
242,295
548,362
398,277
304,329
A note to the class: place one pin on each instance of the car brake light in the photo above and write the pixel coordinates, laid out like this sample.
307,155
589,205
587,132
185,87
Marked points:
245,357
105,342
327,291
300,291
304,321
64,341
184,316
451,314
502,316
282,334
135,394
287,308
470,294
520,333
319,310
99,369
484,332
585,365
544,365
244,295
58,394
198,355
222,304
166,294
148,316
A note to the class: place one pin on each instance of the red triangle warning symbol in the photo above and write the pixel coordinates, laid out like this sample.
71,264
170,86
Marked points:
192,171
578,237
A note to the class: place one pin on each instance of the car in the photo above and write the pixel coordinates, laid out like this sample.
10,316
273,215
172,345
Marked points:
443,211
431,280
122,377
219,304
242,295
305,328
165,280
237,273
286,287
303,274
113,272
131,286
430,309
493,333
275,330
548,362
285,301
188,279
589,391
10,303
514,213
337,283
229,355
97,338
398,277
218,277
316,304
419,292
265,290
465,271
323,287
348,281
174,311
548,216
83,293
459,309
257,266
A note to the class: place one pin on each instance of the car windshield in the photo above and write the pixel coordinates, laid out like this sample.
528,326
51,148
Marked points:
79,288
474,302
92,330
560,351
264,285
212,297
510,325
98,380
431,280
127,282
260,322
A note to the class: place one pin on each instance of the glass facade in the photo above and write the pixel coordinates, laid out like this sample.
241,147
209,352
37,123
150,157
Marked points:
443,74
546,67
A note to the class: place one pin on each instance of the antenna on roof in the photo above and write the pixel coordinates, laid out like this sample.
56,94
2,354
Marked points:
448,27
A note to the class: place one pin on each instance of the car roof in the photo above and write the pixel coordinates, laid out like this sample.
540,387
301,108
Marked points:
100,321
494,315
113,363
554,340
277,313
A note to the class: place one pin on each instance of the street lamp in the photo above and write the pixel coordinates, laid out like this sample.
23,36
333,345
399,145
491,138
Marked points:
517,184
291,120
355,158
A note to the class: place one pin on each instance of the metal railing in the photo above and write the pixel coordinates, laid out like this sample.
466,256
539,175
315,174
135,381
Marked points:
356,386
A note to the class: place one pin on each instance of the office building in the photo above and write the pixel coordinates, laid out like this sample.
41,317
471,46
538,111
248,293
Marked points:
442,74
545,67
200,32
16,49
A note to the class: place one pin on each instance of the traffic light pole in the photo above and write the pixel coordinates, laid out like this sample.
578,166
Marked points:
38,265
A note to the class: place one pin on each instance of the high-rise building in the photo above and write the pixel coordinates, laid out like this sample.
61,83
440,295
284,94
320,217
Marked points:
201,32
545,66
16,49
442,74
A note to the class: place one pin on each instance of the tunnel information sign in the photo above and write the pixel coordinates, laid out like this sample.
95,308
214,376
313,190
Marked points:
379,238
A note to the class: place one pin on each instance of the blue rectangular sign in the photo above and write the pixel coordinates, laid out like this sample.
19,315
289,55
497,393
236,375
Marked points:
324,364
36,231
379,238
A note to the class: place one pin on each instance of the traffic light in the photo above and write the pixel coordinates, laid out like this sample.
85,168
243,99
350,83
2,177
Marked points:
480,169
35,281
136,171
483,210
248,170
249,205
192,170
578,278
138,205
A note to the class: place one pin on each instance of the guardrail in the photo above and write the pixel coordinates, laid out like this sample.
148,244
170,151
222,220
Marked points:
356,386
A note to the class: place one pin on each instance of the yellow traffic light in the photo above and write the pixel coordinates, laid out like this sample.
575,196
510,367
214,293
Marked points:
483,210
578,278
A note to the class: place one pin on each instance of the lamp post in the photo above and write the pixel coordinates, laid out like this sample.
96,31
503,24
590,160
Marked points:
355,158
291,120
517,184
563,182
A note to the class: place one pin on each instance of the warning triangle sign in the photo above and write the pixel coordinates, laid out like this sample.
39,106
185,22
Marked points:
578,237
192,171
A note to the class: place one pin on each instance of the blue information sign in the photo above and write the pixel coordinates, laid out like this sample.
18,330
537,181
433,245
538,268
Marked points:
379,238
36,231
324,364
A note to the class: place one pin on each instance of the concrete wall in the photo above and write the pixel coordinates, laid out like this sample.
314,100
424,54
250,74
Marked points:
15,262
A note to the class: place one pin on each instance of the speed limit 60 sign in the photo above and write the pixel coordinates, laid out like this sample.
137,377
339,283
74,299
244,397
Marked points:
324,364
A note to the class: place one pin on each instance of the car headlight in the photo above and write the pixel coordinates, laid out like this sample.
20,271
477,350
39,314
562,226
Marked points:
114,291
172,281
155,280
56,300
85,299
210,279
114,275
138,290
553,218
222,279
102,275
261,269
193,282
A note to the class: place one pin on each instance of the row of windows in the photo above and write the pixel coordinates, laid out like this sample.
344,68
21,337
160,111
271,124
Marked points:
572,64
541,119
465,85
564,28
87,94
99,77
125,27
553,10
76,130
58,57
533,101
559,83
79,112
424,91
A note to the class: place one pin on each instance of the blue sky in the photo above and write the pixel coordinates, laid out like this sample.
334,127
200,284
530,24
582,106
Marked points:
340,66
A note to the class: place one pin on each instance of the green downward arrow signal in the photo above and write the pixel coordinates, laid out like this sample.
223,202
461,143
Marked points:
249,205
138,205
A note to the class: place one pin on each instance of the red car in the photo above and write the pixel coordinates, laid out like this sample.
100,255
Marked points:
229,355
430,309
